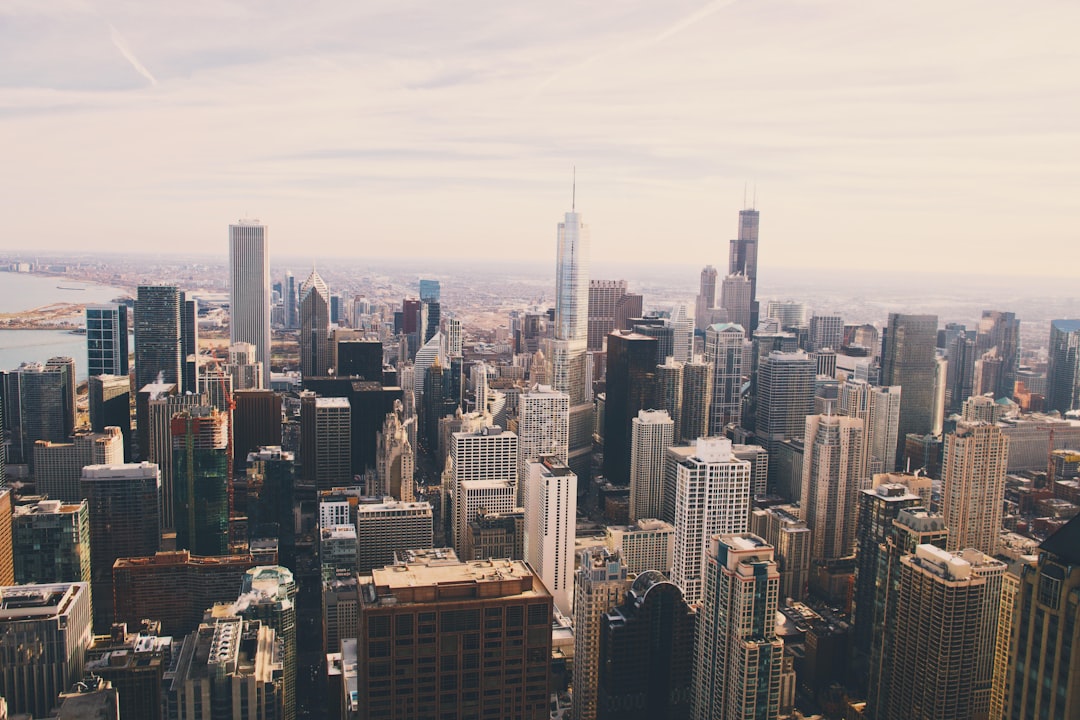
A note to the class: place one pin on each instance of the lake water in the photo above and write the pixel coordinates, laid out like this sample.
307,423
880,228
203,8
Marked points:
20,292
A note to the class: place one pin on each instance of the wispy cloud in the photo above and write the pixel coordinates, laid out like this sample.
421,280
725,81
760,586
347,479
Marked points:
121,45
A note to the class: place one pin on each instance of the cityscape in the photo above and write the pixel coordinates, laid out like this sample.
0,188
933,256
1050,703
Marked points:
259,492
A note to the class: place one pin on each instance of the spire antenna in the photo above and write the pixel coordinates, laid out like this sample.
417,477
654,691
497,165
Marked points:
744,186
573,191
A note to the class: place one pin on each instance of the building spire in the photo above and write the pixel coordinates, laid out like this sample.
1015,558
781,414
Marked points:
573,192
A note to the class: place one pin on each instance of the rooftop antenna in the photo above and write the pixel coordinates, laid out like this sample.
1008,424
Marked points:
573,192
744,185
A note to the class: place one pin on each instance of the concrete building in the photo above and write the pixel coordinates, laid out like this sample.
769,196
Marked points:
58,466
601,582
124,508
268,594
496,535
550,526
668,395
451,604
543,427
785,396
973,471
134,663
326,440
648,544
879,409
706,297
724,350
737,653
385,528
488,460
44,633
712,497
790,538
834,468
249,291
39,404
110,406
395,458
652,433
947,612
7,563
736,300
697,396
1063,371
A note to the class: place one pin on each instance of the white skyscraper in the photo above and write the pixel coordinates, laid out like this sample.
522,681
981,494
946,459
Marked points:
572,280
543,426
550,524
834,463
712,496
652,433
976,457
488,458
879,409
249,290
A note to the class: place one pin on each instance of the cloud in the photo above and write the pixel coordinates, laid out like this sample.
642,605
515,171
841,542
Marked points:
121,45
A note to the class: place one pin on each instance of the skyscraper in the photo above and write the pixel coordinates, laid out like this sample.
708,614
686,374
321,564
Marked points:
550,499
51,542
158,356
543,426
976,458
600,585
879,408
605,297
706,297
1044,663
189,343
712,497
737,656
488,456
669,393
908,361
160,411
735,300
201,460
314,326
47,628
696,399
249,289
999,333
7,567
106,339
947,611
653,432
724,350
326,440
790,539
39,405
58,466
1063,372
289,298
834,466
785,396
631,361
110,405
742,258
646,653
826,331
268,594
124,504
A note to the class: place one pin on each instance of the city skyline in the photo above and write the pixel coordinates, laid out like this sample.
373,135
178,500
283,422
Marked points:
956,150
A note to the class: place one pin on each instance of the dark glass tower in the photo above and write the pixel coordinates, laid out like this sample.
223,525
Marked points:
200,480
907,360
631,371
107,339
157,335
1063,374
742,258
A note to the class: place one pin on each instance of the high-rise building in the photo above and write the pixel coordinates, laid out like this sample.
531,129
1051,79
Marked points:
256,423
712,497
737,655
201,461
244,367
189,344
395,463
289,299
879,409
227,667
696,399
653,432
326,441
735,299
834,466
543,427
631,362
789,314
44,633
446,602
314,326
668,395
912,527
706,297
960,374
975,461
946,623
826,331
270,487
646,653
158,357
496,535
110,406
7,566
648,544
174,586
550,501
162,404
605,297
39,404
58,466
106,339
999,334
724,351
389,527
572,280
878,508
134,663
488,459
790,538
742,258
50,542
601,582
1043,677
907,360
785,396
1063,372
124,507
268,594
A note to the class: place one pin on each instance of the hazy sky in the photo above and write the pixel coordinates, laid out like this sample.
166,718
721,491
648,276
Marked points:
917,133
